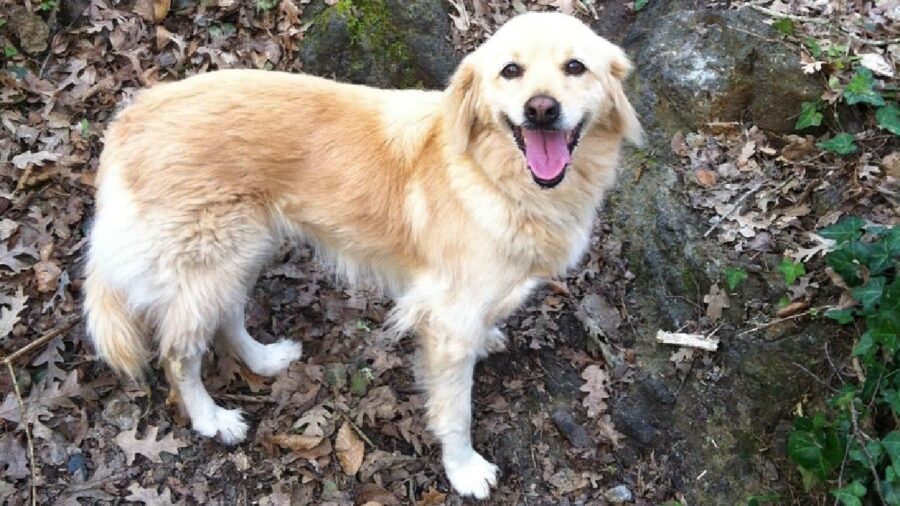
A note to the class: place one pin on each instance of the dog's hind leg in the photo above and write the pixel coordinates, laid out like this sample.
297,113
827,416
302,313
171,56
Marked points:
186,327
262,359
207,418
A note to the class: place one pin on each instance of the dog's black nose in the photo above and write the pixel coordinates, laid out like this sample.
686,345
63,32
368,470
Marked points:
542,110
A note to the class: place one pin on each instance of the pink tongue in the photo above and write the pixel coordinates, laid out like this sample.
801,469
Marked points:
547,152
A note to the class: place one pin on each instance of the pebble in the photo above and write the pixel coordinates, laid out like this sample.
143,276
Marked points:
618,495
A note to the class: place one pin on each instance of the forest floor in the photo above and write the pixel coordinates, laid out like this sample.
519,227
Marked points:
344,424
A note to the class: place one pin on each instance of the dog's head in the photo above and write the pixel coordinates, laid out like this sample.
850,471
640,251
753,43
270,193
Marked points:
543,80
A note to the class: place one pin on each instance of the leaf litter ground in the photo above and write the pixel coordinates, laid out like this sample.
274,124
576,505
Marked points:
342,426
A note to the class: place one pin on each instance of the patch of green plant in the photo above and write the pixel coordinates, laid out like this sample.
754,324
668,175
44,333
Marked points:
734,277
784,26
791,270
841,144
860,89
266,5
640,4
810,115
854,447
48,5
758,500
10,51
888,118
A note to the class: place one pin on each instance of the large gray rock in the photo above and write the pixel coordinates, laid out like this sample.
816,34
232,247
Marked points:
706,65
384,43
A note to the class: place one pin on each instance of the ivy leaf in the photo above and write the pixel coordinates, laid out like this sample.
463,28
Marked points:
847,229
734,277
791,270
640,4
870,293
846,261
815,451
865,344
815,49
850,495
859,89
809,116
841,144
891,444
888,118
842,316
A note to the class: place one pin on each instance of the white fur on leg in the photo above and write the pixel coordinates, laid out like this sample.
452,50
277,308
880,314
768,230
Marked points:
494,342
447,374
468,472
207,418
262,359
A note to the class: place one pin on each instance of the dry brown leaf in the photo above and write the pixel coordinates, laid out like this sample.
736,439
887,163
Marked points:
597,387
10,313
148,446
792,309
432,497
296,442
161,9
349,449
149,495
716,301
705,177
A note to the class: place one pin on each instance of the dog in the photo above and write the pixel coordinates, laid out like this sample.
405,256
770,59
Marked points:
455,202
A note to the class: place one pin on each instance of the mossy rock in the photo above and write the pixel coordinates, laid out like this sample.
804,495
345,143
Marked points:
384,43
704,65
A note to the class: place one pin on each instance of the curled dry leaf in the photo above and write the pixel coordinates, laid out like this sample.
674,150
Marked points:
296,442
349,449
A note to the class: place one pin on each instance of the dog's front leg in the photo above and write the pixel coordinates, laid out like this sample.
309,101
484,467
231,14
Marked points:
446,373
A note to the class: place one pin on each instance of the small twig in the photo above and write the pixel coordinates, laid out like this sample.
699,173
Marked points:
782,320
815,377
776,14
246,398
44,339
358,431
841,474
31,461
858,435
734,208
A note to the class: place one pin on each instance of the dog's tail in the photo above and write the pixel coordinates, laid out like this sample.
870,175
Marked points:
117,335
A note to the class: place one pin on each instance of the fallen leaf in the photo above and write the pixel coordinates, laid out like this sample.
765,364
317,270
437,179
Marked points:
296,442
148,446
432,497
705,177
349,449
9,315
597,387
716,301
149,495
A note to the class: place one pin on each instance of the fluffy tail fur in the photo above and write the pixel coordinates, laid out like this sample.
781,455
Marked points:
117,336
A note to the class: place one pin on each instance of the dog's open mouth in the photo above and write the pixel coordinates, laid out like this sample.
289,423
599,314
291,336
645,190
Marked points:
547,152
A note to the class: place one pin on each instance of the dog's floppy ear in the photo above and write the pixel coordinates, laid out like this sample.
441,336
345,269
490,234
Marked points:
619,67
461,105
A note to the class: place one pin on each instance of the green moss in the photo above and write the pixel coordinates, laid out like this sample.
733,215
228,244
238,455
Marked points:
373,36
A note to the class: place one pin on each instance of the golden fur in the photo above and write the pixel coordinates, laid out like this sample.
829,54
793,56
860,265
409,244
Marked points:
425,193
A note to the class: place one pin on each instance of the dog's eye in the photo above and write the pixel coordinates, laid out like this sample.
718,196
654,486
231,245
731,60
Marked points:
575,68
511,71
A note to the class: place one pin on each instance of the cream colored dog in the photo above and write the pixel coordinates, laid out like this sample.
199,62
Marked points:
456,202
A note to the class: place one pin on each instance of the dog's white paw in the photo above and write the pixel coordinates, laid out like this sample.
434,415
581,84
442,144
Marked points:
472,476
494,342
278,357
227,424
